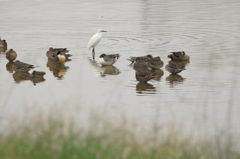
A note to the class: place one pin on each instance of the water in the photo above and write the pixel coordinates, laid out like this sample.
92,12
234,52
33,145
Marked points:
202,98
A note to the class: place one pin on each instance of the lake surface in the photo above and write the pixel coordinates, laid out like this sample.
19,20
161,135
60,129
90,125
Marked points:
203,98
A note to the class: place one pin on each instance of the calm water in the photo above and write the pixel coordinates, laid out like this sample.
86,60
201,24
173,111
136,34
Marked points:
203,98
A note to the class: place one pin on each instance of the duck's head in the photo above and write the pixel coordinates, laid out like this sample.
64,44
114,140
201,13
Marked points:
149,56
59,53
102,55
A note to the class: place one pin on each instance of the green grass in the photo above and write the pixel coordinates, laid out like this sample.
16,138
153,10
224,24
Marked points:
102,139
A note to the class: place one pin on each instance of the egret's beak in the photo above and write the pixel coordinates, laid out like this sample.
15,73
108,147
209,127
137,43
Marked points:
104,31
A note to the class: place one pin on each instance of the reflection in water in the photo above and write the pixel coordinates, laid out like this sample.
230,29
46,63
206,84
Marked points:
158,74
144,75
9,66
108,70
37,80
174,79
24,76
145,88
21,76
104,70
58,69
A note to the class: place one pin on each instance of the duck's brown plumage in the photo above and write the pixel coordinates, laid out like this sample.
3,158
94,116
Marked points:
174,68
11,55
155,63
3,43
21,66
54,51
132,59
179,56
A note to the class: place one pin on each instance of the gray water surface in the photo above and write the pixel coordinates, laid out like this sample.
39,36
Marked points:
205,96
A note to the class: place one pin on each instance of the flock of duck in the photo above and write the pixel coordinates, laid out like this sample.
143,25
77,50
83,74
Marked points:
145,66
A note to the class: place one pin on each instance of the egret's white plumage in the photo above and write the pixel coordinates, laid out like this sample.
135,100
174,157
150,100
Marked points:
95,39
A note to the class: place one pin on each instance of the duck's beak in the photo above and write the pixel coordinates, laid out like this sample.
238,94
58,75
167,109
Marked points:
104,31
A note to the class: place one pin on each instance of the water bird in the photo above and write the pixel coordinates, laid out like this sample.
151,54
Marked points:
95,39
144,75
140,63
3,43
151,63
58,57
179,56
155,63
54,51
11,55
107,60
132,59
21,66
174,68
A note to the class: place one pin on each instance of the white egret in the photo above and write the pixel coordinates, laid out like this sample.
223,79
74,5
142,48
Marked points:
95,39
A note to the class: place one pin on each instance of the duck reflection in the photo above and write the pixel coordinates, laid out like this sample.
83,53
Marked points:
174,79
21,76
24,76
158,74
37,77
9,67
104,70
145,88
144,75
58,69
108,70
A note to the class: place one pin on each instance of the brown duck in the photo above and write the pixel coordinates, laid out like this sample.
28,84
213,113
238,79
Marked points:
11,55
179,56
54,51
132,59
3,43
21,66
174,68
155,63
